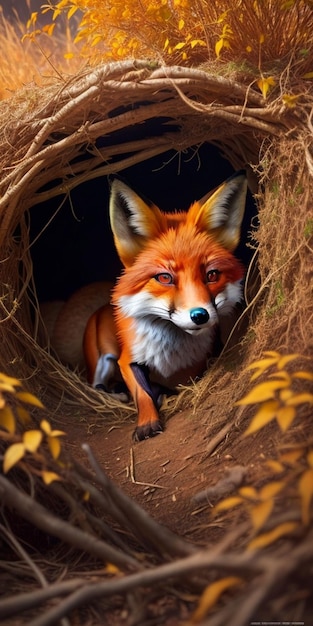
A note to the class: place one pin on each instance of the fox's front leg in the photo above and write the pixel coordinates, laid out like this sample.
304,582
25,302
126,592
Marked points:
145,396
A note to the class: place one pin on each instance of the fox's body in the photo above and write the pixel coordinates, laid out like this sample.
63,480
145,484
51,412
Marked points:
180,280
65,321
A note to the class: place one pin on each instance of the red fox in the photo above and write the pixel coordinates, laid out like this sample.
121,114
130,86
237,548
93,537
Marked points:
180,278
180,281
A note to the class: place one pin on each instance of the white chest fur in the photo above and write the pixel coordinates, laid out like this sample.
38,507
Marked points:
166,349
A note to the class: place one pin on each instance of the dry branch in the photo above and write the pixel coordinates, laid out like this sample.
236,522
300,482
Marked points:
267,573
41,518
160,538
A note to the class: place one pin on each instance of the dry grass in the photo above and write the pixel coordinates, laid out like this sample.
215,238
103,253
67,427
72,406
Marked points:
39,62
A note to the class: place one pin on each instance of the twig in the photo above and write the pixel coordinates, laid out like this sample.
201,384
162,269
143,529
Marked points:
38,515
156,535
215,441
139,482
224,486
38,575
30,600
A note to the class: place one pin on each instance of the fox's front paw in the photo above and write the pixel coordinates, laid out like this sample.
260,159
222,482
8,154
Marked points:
148,430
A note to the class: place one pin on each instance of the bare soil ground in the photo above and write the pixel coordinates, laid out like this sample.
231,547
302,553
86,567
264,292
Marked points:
164,474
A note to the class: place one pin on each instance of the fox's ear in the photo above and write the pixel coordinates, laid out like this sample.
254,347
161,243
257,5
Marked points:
221,211
133,221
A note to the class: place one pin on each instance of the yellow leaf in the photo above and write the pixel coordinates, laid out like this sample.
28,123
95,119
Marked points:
211,595
96,40
54,446
304,375
272,353
68,55
308,75
23,415
275,466
9,380
290,101
292,456
57,433
222,17
261,38
197,42
249,492
181,24
285,417
218,47
45,426
276,533
271,489
32,440
180,45
264,415
32,20
56,13
7,419
228,503
264,85
260,512
166,43
285,394
71,11
284,360
301,398
263,391
48,29
261,365
29,398
110,568
12,455
7,387
49,477
281,376
306,493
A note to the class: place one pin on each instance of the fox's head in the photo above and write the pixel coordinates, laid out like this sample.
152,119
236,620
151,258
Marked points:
179,267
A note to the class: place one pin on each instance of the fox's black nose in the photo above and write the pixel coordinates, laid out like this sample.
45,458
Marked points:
199,316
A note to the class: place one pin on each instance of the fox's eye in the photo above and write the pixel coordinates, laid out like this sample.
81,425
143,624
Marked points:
213,276
165,278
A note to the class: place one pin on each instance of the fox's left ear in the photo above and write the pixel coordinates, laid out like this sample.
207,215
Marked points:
221,212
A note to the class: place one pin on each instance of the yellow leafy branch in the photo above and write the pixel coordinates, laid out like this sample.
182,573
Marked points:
276,397
190,31
30,440
259,504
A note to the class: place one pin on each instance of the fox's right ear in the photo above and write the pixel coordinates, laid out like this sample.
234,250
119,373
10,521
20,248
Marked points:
133,221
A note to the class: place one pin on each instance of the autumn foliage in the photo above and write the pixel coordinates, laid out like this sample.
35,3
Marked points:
187,31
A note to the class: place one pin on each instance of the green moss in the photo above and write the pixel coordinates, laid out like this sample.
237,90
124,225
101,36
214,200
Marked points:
280,299
308,229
